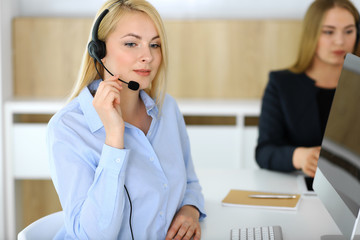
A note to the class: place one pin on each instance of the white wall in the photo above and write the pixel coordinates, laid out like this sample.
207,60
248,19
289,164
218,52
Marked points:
7,11
2,157
193,9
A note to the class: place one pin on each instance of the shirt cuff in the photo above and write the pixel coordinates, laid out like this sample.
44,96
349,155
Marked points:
113,159
199,207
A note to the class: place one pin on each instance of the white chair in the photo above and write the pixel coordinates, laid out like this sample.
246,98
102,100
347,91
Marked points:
44,228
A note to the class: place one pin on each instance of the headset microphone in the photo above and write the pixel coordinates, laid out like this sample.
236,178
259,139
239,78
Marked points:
131,85
97,50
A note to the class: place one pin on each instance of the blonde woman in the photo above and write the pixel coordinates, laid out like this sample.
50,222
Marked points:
120,156
297,101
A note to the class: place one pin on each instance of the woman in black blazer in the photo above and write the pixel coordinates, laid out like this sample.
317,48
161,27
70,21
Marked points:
297,101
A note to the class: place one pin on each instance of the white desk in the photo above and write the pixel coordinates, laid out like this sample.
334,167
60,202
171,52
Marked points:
309,222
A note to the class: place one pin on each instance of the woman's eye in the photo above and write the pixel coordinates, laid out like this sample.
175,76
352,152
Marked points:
155,45
130,44
350,31
328,32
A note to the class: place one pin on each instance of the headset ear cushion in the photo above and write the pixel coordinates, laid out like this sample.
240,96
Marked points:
97,49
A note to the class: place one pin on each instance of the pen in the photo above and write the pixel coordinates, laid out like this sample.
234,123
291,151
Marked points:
272,196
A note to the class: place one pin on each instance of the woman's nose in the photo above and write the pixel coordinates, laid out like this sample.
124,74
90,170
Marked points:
339,38
146,55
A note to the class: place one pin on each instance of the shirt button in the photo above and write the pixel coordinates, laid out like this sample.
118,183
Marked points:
151,159
118,160
165,186
161,213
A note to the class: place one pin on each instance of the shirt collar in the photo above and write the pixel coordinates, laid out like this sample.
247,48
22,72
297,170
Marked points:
85,99
150,105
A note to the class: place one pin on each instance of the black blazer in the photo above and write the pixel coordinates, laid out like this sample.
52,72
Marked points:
289,119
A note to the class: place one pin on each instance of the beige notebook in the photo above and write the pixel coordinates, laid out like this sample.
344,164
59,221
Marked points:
242,198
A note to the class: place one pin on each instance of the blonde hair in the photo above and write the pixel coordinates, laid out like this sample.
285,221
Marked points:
117,9
311,30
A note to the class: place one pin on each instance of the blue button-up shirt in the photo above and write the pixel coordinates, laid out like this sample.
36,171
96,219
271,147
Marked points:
89,176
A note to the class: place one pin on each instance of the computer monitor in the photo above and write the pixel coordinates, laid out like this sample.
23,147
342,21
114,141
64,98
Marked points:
337,178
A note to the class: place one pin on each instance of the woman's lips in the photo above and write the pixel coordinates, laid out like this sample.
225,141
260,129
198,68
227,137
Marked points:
143,72
339,52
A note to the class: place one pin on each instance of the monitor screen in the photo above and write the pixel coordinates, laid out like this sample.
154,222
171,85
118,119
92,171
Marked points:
337,179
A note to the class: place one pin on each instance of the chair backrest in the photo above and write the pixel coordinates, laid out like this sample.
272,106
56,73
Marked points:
43,228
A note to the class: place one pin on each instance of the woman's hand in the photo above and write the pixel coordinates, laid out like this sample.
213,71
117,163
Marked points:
185,224
107,104
306,159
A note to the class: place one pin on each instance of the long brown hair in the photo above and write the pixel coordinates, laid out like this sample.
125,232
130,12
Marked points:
311,30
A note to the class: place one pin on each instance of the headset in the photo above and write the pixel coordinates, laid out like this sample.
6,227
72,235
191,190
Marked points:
97,49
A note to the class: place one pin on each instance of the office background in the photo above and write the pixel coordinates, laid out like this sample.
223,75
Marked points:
218,50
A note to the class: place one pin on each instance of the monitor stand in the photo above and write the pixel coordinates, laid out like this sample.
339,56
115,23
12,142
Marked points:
337,237
332,237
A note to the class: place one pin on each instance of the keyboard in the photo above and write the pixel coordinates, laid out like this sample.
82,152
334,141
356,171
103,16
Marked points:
257,233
